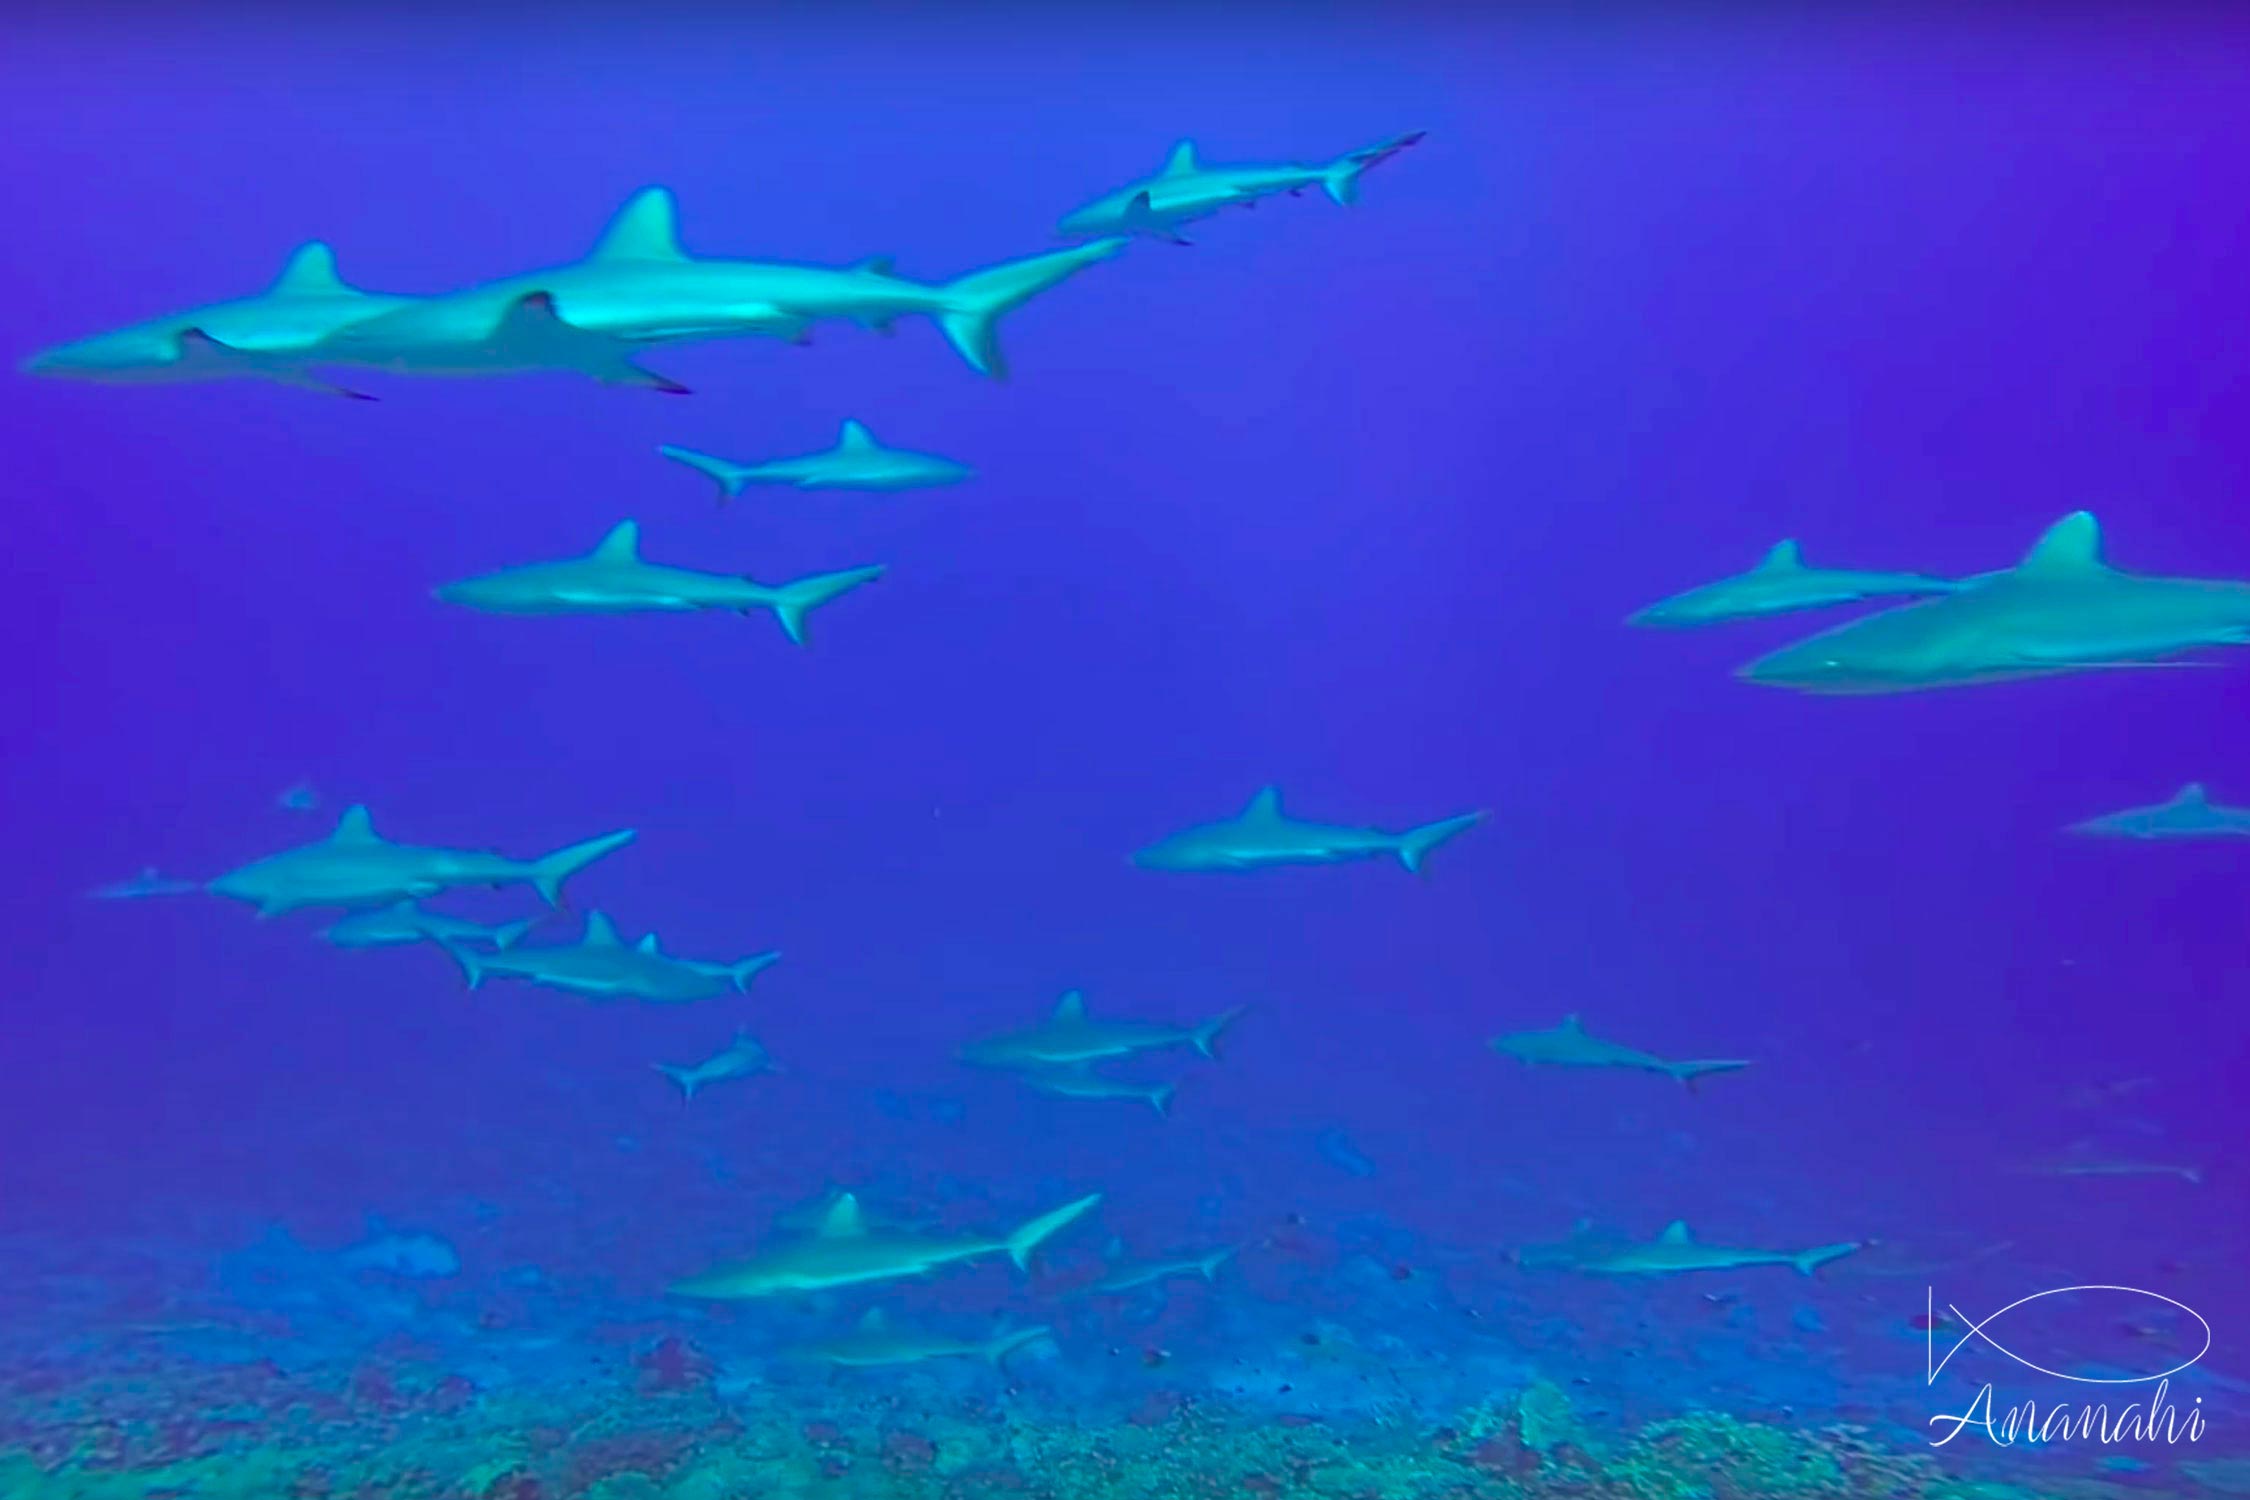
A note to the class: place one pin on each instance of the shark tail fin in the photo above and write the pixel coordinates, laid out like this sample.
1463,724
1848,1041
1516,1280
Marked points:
1206,1037
1812,1260
740,974
1004,1344
1210,1264
681,1076
508,934
793,601
973,305
472,966
730,478
1021,1244
1160,1098
1341,179
1415,844
548,875
1691,1073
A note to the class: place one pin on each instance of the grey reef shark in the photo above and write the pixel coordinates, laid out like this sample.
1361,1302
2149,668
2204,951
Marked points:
601,966
613,579
1570,1045
1187,190
742,1057
1071,1038
877,1341
143,886
857,462
1780,584
2189,814
2062,609
1126,1275
407,922
1262,835
1677,1251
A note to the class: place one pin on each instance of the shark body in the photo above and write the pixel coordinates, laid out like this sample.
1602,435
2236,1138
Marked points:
1187,190
143,886
742,1057
1085,1083
1129,1276
857,462
407,922
877,1341
1676,1251
1780,584
1263,835
848,1251
355,866
1070,1038
2189,814
613,579
1570,1045
2061,609
601,966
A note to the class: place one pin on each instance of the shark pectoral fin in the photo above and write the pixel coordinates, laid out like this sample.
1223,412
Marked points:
197,347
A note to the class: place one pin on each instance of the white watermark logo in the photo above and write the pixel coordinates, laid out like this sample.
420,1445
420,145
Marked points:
2156,1420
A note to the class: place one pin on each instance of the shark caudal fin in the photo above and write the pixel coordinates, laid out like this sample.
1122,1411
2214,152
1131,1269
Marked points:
1031,1236
548,875
472,966
684,1077
740,974
1341,179
1810,1261
1415,844
1691,1073
730,478
1160,1098
1209,1265
973,305
1004,1344
1205,1037
508,934
793,601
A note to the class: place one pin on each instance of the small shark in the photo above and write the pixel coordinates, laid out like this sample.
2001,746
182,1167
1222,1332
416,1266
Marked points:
409,1255
1780,584
1085,1083
408,923
2082,1162
1187,190
602,967
740,1058
2190,814
1070,1038
1676,1250
876,1341
638,287
1569,1045
141,887
355,866
1264,835
612,579
2062,609
847,1251
265,337
299,797
1127,1276
857,462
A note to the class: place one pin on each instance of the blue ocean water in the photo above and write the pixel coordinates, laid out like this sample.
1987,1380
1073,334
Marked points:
1347,501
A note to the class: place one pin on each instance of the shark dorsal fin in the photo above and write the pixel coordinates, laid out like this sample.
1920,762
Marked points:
355,827
843,1220
601,932
854,434
1182,161
1784,558
2072,545
310,271
1071,1007
623,544
646,228
876,265
1676,1233
2191,795
1265,807
646,944
873,1321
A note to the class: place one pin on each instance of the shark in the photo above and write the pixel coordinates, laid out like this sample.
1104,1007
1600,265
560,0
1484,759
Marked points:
1070,1038
857,462
1085,1083
356,866
141,887
2189,814
1570,1045
269,336
2061,609
1781,584
407,922
2083,1161
1262,834
742,1057
875,1340
846,1250
1676,1250
640,287
1187,190
613,579
602,967
1131,1275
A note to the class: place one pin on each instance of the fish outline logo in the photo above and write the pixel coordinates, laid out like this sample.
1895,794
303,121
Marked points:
1975,1329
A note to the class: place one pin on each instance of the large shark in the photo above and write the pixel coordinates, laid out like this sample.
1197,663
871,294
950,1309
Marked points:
877,1341
1187,190
1780,584
406,922
265,337
1676,1250
2190,814
1070,1038
846,1250
602,967
2061,609
742,1057
612,579
639,287
1570,1045
141,887
355,866
857,462
1263,835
